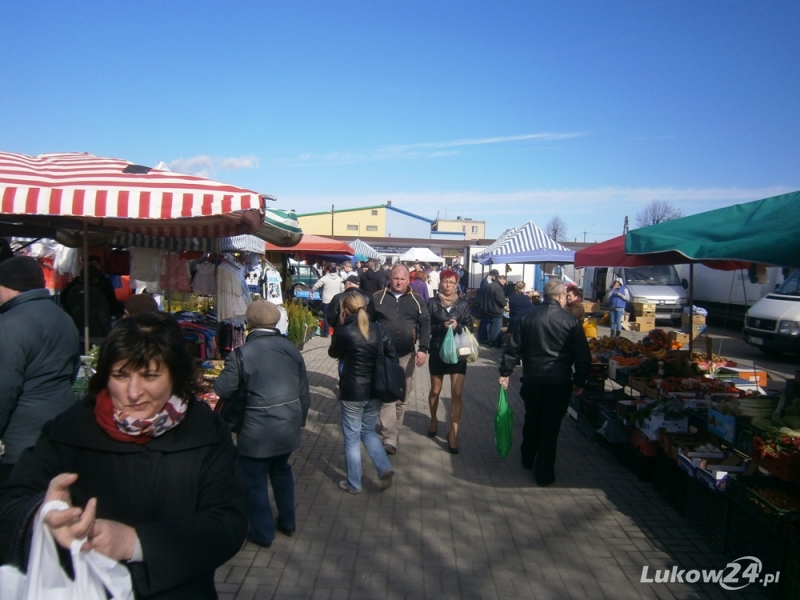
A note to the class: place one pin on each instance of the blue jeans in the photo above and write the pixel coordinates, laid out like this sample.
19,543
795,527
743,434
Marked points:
258,473
616,318
483,329
358,426
327,327
495,338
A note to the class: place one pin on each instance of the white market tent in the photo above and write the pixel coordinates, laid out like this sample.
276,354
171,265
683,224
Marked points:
422,255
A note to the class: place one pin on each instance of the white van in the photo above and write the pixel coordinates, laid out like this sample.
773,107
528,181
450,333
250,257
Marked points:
657,285
773,323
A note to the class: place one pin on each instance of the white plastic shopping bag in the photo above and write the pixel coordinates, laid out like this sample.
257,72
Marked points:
46,580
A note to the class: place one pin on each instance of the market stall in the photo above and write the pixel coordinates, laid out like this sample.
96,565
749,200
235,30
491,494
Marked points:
720,442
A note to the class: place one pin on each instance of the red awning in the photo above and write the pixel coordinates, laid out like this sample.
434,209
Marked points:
73,187
611,253
315,244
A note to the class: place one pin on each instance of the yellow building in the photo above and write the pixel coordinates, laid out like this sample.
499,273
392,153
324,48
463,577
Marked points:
472,230
383,220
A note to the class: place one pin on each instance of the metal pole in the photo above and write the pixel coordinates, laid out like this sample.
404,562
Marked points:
86,287
691,311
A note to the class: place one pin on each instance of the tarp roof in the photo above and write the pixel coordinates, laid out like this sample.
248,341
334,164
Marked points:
611,253
765,231
525,244
315,245
363,250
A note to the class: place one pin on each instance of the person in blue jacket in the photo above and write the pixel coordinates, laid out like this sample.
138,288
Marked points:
618,298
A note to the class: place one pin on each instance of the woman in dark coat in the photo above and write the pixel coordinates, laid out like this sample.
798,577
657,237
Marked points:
518,303
275,413
447,310
149,472
357,341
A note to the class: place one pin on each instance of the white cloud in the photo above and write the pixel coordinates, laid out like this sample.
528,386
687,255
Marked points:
207,166
419,150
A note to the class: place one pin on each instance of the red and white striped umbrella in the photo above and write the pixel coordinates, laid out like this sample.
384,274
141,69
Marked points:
115,194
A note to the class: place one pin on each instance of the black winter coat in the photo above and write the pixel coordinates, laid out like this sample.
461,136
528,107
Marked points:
182,491
549,341
439,316
406,319
493,300
359,357
39,356
373,281
278,397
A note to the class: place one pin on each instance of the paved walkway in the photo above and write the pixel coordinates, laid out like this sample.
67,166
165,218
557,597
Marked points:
470,525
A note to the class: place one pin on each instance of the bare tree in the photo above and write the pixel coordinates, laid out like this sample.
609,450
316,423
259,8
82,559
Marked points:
656,212
556,229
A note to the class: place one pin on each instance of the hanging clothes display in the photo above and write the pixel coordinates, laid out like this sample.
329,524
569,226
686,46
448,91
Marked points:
233,295
205,278
146,263
177,269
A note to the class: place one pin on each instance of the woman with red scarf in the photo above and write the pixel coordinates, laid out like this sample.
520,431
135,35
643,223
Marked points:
447,310
149,473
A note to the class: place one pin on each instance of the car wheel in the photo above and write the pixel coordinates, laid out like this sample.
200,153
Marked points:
299,287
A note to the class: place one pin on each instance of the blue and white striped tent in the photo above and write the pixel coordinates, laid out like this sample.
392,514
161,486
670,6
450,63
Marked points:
363,250
526,244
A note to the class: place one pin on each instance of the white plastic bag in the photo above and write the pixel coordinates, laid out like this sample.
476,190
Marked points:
46,580
463,344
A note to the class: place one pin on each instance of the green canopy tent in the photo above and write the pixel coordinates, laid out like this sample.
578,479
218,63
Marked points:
765,232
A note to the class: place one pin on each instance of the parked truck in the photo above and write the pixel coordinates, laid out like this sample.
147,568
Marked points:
659,285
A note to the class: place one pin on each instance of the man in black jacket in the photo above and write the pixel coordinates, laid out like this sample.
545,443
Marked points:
371,280
493,303
406,317
549,341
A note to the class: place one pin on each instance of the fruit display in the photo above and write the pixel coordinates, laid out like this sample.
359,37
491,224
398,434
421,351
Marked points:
781,499
775,444
613,346
656,344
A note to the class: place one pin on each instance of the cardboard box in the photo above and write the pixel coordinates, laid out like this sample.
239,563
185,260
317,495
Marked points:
723,426
655,423
642,442
591,307
696,319
673,443
644,309
694,331
752,375
679,336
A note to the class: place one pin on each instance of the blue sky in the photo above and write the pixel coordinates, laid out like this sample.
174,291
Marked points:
502,111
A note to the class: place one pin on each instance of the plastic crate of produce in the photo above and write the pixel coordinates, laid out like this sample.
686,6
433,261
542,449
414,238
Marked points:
670,482
586,426
757,526
642,466
707,511
790,573
745,432
785,466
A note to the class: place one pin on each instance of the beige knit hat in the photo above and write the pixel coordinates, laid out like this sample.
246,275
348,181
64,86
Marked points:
262,314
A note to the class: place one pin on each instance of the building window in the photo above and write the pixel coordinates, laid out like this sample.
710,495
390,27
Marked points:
352,228
372,228
474,229
464,228
375,212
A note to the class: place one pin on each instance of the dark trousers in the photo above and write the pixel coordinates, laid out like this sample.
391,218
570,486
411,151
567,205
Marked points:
545,407
258,474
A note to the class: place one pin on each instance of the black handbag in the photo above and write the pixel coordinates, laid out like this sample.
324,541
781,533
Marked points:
232,409
389,378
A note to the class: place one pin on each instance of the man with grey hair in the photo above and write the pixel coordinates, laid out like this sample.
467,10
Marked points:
405,316
555,357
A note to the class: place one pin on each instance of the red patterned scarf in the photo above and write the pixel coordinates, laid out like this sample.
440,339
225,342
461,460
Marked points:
137,431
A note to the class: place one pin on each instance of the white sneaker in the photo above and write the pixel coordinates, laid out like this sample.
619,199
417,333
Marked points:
348,488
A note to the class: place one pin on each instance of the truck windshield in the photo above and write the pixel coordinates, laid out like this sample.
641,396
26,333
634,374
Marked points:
791,286
657,275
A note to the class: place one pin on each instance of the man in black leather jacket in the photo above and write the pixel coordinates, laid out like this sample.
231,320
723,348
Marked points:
406,317
550,342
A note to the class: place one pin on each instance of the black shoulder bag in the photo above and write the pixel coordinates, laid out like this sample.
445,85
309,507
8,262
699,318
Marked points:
389,378
232,409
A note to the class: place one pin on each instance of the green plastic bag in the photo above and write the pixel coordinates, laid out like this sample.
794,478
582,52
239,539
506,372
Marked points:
503,425
449,350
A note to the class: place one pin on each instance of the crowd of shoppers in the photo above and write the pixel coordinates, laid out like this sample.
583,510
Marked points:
151,476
